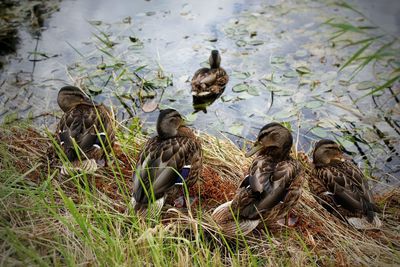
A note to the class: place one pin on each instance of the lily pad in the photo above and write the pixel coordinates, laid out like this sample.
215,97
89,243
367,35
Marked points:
290,74
149,106
241,87
345,142
95,22
320,132
212,39
365,85
226,98
191,117
138,45
303,70
313,104
330,75
159,83
147,94
278,60
241,43
269,77
305,82
230,31
301,53
279,90
101,66
236,129
344,83
252,90
244,96
244,87
95,90
284,114
240,75
256,42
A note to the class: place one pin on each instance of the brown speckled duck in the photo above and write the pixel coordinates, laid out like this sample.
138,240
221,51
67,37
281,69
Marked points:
87,124
174,154
271,189
340,186
210,81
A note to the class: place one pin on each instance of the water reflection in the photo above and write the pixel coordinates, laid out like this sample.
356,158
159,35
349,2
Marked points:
201,103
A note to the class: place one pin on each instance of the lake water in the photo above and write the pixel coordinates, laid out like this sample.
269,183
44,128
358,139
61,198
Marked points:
282,63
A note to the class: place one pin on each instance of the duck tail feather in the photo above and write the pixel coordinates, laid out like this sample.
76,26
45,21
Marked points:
88,166
364,224
222,215
151,211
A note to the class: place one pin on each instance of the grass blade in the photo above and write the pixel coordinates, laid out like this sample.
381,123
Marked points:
356,55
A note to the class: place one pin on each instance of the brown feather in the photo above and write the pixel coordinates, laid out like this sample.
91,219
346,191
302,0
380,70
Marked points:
160,163
83,123
340,186
209,81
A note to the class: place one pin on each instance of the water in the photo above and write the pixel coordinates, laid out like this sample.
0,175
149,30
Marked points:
261,43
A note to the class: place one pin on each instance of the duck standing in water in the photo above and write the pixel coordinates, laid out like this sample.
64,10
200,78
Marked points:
340,187
86,127
271,189
208,82
174,154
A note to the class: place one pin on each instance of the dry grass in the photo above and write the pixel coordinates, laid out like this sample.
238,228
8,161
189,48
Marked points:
50,220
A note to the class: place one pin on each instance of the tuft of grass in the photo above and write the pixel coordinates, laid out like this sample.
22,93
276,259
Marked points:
86,219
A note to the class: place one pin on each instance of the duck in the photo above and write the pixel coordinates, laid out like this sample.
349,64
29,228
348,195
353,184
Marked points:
172,157
270,190
210,81
341,187
85,126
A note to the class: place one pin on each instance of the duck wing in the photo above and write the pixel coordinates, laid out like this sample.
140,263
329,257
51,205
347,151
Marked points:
159,165
207,79
86,126
347,185
199,75
321,192
356,175
222,78
278,187
266,186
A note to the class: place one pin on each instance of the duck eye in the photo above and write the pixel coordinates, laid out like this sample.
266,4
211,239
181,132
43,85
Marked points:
174,119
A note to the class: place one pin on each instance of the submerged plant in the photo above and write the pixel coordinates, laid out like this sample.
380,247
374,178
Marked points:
372,45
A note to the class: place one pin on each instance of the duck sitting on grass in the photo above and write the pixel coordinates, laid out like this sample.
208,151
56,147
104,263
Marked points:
86,130
340,187
208,82
271,189
174,154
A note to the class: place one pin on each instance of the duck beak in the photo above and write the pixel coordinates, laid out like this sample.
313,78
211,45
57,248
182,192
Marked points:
86,99
256,147
341,158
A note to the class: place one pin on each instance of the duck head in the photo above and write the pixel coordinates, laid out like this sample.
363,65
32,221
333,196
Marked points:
215,59
273,139
168,123
327,152
70,96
